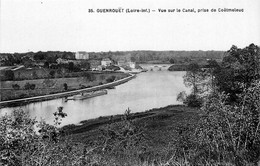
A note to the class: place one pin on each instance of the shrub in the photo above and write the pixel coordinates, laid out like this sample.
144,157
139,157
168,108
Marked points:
181,97
193,101
52,73
122,138
21,145
9,75
16,86
111,79
34,75
231,132
65,86
29,86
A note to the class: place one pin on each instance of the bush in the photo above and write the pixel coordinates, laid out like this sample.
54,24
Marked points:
29,86
34,75
16,86
181,97
9,75
193,101
52,73
227,133
21,145
65,86
122,138
111,79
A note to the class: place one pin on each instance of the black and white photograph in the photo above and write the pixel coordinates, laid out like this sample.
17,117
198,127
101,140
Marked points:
129,83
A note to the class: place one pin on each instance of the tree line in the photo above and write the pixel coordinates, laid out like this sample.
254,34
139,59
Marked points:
228,95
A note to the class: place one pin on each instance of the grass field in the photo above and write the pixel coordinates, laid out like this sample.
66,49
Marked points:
55,85
160,127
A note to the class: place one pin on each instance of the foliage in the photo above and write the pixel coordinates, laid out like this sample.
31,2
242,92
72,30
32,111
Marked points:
111,79
194,78
28,86
71,66
9,75
52,73
239,67
122,138
34,75
193,101
231,133
89,76
46,64
16,86
85,65
65,85
20,144
17,135
172,61
210,75
182,96
48,82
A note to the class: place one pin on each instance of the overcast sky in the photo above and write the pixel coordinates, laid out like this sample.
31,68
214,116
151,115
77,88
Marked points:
66,25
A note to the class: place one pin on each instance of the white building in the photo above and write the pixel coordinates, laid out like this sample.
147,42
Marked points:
81,55
132,65
125,63
106,62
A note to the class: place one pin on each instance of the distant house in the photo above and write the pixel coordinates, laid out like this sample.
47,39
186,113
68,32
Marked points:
61,61
126,63
98,68
66,61
132,65
106,62
81,55
121,63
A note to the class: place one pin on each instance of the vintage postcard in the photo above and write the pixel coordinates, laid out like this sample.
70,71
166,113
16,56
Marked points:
132,82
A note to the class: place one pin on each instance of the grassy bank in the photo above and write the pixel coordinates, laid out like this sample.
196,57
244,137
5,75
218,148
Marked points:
158,132
55,85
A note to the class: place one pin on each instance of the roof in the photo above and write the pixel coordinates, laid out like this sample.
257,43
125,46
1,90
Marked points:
106,59
82,52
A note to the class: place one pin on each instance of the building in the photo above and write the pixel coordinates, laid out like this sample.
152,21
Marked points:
132,65
126,63
121,63
81,55
106,62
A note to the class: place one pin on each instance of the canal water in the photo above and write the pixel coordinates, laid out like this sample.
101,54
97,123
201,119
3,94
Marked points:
155,88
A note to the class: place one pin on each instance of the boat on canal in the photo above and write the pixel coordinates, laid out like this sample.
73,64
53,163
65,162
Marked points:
87,95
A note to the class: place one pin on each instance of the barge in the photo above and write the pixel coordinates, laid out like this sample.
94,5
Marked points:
87,95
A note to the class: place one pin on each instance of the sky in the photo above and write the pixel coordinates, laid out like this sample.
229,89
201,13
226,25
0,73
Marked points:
66,25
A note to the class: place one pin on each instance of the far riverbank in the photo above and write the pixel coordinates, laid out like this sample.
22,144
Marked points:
63,94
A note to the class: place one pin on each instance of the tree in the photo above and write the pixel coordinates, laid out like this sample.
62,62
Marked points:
34,75
28,86
172,61
9,75
181,97
52,73
230,132
239,67
210,74
16,86
65,85
194,78
39,55
46,64
71,66
20,144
